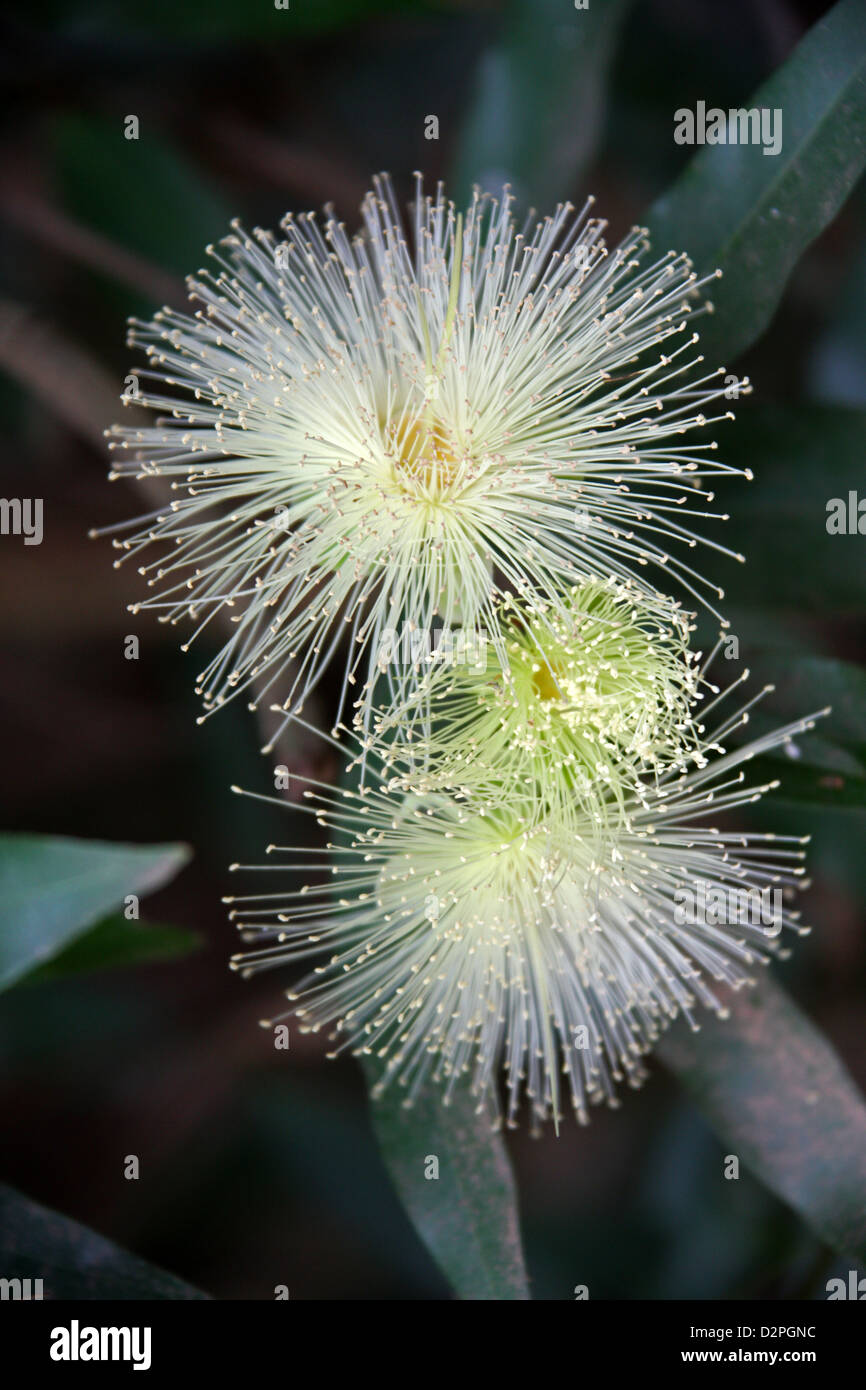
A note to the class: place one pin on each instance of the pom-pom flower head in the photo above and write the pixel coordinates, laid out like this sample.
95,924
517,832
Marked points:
595,694
465,935
395,426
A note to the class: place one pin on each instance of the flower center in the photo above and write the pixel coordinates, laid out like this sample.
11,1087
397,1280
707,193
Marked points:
545,682
425,455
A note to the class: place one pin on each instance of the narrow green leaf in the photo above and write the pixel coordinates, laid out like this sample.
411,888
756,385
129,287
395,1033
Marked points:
829,767
808,682
807,461
780,1099
118,942
53,889
160,206
837,352
467,1217
752,215
73,1261
843,789
538,107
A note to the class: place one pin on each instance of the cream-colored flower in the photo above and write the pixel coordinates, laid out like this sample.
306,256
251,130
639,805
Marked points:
462,936
409,425
595,695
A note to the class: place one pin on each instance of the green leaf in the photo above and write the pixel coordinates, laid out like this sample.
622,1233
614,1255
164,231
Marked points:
807,683
752,215
73,1261
780,1099
827,768
118,942
802,458
53,889
837,352
804,782
538,107
160,207
467,1217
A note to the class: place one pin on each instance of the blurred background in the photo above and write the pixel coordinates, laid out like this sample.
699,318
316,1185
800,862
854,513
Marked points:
258,1166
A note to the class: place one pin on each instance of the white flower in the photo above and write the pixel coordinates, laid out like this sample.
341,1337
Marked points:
463,937
595,694
363,430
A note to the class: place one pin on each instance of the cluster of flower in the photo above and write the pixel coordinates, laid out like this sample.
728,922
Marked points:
403,427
